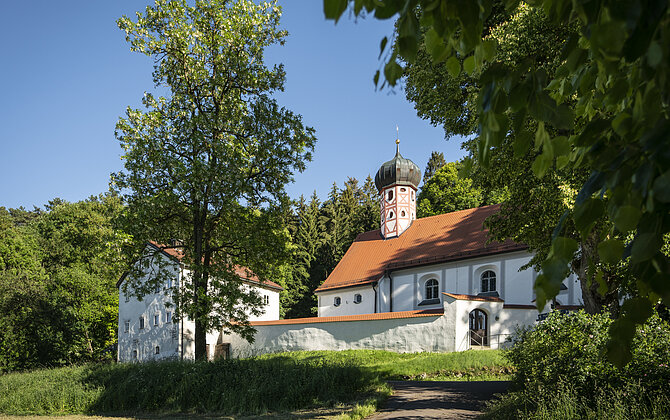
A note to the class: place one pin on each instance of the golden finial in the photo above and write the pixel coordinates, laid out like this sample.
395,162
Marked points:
397,140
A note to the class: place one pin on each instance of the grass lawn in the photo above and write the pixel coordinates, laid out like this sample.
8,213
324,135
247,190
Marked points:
325,383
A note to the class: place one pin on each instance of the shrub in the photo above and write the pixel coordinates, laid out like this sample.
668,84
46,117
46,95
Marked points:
561,367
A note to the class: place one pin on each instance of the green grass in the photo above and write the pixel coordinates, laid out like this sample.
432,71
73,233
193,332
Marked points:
280,382
611,404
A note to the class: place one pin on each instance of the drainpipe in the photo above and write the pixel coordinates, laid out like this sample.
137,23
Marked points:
374,287
388,274
181,330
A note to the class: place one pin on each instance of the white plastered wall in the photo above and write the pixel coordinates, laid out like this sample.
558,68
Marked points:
399,335
347,305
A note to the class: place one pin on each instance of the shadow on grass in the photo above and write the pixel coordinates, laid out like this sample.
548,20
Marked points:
252,386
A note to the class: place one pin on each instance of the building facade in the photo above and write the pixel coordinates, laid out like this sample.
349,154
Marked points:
147,328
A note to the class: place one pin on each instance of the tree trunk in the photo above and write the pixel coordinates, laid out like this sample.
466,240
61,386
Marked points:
594,302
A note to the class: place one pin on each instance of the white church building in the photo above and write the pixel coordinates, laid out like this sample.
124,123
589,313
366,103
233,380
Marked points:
430,284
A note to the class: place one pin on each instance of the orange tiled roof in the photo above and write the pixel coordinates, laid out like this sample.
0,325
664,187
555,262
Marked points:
345,318
431,240
473,297
242,272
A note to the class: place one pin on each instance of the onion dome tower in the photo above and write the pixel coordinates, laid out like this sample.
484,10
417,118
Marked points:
397,181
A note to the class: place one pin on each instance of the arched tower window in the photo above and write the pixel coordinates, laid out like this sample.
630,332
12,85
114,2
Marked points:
488,281
389,195
432,289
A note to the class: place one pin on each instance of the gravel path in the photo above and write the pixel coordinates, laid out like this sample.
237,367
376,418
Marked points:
438,400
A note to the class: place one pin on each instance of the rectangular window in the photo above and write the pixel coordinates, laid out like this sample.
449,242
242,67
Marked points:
141,322
169,283
135,354
158,350
168,317
266,299
126,326
157,318
127,297
157,289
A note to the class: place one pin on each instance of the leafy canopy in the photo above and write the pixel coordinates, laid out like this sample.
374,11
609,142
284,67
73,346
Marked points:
615,70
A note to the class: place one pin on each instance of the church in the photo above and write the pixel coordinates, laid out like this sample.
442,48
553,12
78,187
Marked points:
430,284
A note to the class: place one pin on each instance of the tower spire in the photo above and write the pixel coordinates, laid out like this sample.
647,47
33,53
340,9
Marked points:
397,140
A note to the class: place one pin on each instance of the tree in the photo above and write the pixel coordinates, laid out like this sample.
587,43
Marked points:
208,164
435,162
58,273
446,192
613,71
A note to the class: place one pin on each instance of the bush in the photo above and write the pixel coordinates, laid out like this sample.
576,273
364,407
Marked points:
561,367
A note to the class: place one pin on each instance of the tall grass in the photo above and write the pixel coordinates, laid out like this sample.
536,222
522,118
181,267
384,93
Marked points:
269,383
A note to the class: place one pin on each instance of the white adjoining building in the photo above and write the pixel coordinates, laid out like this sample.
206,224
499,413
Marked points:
430,284
147,329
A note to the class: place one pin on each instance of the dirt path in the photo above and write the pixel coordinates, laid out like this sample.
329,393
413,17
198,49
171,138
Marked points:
438,400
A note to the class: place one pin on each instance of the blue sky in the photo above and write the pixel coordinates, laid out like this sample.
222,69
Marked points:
67,74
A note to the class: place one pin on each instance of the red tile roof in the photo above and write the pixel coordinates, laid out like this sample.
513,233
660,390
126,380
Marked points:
473,297
242,272
431,240
347,318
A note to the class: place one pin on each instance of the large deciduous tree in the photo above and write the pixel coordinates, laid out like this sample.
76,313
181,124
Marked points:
207,163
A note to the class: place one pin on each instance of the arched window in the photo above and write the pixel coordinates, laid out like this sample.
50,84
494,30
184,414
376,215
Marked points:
390,215
432,289
337,301
488,281
158,350
358,298
389,195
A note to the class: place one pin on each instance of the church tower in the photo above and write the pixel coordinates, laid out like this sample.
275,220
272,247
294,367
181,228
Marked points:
397,181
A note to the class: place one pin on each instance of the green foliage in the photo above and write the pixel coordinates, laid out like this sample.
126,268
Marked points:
58,269
560,362
278,382
208,163
607,102
445,192
435,162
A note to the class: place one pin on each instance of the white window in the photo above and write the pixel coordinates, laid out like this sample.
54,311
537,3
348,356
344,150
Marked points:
266,299
168,317
157,319
488,281
158,350
126,326
141,322
432,289
157,288
169,282
358,298
337,301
